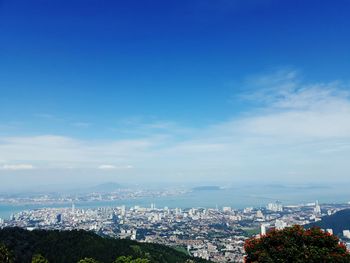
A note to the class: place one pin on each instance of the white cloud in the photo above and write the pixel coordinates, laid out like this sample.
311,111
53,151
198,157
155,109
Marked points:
301,124
59,149
107,167
15,167
113,167
293,109
293,125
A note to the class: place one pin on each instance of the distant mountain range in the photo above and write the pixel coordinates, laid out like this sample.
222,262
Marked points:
339,221
206,188
298,186
104,188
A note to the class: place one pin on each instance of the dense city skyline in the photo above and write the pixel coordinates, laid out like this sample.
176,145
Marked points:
182,91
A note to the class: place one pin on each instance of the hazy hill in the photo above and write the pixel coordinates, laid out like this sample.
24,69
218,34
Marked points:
105,187
207,188
338,222
71,246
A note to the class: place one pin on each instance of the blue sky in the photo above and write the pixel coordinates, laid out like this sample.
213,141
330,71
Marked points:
179,90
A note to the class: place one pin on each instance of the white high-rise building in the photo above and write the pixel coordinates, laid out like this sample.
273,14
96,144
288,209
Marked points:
259,214
248,210
133,234
280,224
262,229
166,209
275,207
317,209
226,209
192,212
346,233
178,211
123,210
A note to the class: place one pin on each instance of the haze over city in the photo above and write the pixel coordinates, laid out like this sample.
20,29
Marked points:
174,92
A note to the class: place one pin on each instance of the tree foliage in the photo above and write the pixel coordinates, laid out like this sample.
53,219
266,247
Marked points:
88,260
39,259
296,245
5,254
129,259
72,246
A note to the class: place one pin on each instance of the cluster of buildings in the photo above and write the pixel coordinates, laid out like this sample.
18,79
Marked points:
210,233
87,196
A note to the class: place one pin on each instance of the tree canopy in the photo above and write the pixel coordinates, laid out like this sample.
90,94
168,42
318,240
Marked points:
88,260
39,259
76,245
5,254
129,259
296,245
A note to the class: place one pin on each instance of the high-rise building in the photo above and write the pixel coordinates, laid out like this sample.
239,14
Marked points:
59,218
262,229
178,211
133,234
226,209
280,224
115,219
259,214
248,210
275,207
123,210
346,233
317,209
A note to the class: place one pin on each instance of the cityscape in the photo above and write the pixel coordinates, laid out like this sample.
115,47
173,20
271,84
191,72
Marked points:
216,234
185,131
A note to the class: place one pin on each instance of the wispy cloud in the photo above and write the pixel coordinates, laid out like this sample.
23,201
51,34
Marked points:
142,126
50,150
114,167
15,167
291,108
292,125
285,90
107,167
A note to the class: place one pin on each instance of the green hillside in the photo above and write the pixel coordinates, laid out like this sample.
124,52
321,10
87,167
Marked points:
338,222
71,246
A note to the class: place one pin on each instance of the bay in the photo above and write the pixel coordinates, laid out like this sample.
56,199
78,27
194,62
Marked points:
237,198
